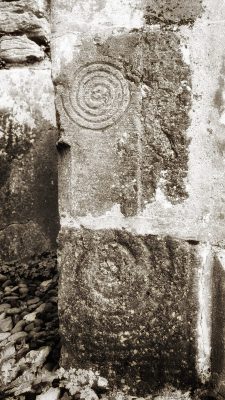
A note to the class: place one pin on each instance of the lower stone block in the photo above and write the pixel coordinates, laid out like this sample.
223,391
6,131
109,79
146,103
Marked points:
128,307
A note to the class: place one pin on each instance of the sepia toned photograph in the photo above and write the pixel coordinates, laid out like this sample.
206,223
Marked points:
112,200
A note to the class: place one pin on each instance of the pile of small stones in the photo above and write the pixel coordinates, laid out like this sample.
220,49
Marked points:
28,316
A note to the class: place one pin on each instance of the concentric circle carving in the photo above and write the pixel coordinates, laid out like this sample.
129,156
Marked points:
110,279
98,97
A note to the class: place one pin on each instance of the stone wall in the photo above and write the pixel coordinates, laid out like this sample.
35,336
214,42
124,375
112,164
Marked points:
28,158
139,93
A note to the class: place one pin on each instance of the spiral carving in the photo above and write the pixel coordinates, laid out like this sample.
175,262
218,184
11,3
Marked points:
98,97
115,283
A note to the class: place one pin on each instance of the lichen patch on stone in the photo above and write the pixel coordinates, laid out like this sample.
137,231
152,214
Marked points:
168,12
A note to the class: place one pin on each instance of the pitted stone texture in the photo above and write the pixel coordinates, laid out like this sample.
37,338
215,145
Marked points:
173,11
155,63
128,307
124,107
23,241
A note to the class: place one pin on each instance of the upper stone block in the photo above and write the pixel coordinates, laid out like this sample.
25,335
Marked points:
123,104
162,161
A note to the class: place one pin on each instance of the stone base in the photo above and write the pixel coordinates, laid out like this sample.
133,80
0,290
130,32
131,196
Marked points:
128,307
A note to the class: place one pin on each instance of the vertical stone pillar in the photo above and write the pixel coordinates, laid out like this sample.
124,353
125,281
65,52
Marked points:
140,170
28,157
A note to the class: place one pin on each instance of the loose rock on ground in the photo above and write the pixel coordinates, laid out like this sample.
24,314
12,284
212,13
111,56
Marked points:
28,323
30,341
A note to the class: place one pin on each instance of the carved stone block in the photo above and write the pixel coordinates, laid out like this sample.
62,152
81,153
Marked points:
128,307
124,111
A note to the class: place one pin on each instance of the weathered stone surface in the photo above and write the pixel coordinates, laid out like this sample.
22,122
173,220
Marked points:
124,112
23,240
103,158
128,307
155,166
19,17
20,49
164,182
39,7
154,61
218,322
173,11
28,163
28,171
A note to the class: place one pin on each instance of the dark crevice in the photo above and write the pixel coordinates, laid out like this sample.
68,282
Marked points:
40,40
193,242
62,146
